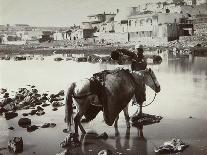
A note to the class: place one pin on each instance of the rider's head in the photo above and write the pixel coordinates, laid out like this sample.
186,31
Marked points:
139,48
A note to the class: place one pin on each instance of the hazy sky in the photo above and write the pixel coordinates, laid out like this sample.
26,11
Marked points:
56,12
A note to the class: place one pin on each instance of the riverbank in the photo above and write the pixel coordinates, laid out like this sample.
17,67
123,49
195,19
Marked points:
50,49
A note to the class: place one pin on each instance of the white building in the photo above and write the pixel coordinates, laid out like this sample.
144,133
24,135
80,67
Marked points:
58,36
199,2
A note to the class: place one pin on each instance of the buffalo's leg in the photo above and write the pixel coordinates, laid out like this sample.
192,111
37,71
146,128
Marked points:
140,109
77,123
126,115
116,122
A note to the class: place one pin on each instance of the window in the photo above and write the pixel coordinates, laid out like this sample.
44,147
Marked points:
149,21
141,22
130,22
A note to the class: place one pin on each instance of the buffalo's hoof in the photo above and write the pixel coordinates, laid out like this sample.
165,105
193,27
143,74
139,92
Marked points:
71,141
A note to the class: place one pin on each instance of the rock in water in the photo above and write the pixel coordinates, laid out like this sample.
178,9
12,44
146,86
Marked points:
145,119
10,115
24,122
33,112
15,144
11,128
45,125
173,146
40,113
32,128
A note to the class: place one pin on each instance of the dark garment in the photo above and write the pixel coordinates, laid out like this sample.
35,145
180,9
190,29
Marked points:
138,65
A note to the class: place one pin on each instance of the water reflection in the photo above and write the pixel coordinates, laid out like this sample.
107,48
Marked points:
90,145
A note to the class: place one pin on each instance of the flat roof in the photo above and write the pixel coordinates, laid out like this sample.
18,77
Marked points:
100,14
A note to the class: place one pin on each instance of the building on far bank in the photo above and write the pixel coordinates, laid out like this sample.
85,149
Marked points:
158,27
96,19
199,2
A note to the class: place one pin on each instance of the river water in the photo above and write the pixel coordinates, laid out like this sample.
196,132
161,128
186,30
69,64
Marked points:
183,94
183,81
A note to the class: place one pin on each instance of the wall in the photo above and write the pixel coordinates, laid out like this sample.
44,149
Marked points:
169,18
114,37
88,33
120,28
151,41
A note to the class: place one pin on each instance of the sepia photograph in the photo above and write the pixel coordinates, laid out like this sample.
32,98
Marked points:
103,77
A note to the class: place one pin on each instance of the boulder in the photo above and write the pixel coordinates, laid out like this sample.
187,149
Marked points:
11,128
25,114
10,115
10,106
15,144
24,122
57,104
172,146
3,90
33,112
39,108
40,113
61,93
2,110
145,119
55,109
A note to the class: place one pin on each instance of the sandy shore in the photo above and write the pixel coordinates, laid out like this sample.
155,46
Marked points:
46,141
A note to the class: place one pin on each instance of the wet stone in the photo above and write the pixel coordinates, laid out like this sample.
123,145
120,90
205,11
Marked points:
32,128
45,105
25,114
45,125
33,112
57,104
48,125
55,109
3,90
2,110
39,108
145,119
173,146
40,113
15,144
61,93
11,128
10,115
24,122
